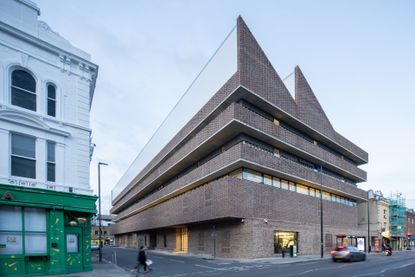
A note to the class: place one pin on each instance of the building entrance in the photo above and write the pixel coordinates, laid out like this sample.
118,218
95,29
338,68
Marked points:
182,239
74,261
286,242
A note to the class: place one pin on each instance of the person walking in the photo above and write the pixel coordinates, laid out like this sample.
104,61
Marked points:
142,260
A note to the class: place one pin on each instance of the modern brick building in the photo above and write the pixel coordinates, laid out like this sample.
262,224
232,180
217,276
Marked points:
243,176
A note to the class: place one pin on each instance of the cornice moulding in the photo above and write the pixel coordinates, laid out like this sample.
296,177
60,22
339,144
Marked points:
30,121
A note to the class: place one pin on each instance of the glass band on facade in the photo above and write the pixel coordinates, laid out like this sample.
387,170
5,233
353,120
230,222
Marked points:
254,143
261,178
219,69
251,142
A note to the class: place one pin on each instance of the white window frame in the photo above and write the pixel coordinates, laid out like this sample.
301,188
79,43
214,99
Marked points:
50,83
50,162
10,86
19,156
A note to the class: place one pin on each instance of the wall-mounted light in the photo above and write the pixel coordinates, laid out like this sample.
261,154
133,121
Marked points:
81,220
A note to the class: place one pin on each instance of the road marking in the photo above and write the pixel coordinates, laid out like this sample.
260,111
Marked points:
208,267
383,270
308,263
177,261
305,272
405,265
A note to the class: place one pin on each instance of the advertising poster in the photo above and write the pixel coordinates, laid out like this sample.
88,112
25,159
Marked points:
361,244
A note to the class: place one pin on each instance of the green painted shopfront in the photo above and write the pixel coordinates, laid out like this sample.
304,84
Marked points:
44,232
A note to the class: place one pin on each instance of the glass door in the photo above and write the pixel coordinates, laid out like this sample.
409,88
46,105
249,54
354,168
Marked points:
181,239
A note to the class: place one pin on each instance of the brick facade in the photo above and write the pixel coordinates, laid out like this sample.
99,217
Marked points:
232,217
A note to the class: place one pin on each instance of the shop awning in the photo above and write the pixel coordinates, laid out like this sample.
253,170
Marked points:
386,234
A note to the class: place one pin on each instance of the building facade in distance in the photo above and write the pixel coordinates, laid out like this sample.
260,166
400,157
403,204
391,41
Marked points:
397,223
379,219
244,175
410,228
106,235
46,93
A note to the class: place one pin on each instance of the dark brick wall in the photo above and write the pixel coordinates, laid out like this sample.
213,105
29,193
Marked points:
237,112
190,201
210,129
200,116
280,167
248,117
256,73
410,227
289,168
222,199
309,109
284,210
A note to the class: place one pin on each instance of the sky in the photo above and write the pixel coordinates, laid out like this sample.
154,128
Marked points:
358,57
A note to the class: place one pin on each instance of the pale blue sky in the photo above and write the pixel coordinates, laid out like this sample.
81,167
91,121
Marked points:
358,56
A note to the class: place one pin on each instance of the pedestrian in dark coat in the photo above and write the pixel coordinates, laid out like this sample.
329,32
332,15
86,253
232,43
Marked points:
141,259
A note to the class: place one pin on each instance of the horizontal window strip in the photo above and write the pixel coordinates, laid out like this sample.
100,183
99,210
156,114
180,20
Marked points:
292,130
262,178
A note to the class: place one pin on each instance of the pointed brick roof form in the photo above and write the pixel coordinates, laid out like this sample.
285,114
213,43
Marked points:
257,73
309,109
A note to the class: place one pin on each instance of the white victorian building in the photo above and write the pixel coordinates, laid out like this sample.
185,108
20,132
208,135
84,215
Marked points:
46,90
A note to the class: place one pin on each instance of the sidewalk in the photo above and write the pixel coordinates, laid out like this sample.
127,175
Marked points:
270,260
103,269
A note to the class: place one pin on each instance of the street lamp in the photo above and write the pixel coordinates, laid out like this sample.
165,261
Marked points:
99,215
369,241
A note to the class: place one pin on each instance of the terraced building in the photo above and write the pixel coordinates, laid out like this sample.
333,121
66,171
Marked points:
238,167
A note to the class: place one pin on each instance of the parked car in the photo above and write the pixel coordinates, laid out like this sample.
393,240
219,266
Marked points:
347,253
94,246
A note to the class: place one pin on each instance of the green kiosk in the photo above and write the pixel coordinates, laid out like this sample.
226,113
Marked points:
44,232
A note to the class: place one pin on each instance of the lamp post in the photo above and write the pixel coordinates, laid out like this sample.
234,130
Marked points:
321,213
99,215
369,241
